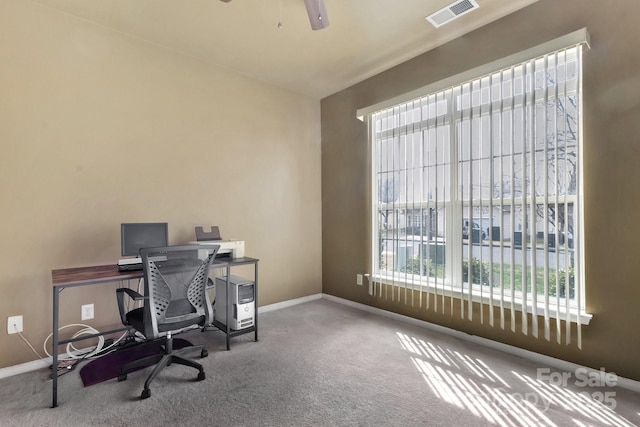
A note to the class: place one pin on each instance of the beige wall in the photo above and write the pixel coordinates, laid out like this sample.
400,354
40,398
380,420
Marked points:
97,129
612,159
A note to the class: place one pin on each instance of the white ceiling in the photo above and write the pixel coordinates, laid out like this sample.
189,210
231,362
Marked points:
364,37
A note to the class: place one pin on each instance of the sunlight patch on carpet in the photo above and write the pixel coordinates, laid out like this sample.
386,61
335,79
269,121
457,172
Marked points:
506,398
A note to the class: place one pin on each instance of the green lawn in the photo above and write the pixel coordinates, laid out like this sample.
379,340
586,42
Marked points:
499,271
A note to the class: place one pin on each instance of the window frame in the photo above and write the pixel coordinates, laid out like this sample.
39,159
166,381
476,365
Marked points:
445,286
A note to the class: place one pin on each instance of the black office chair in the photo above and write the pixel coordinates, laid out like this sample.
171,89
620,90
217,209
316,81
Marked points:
175,300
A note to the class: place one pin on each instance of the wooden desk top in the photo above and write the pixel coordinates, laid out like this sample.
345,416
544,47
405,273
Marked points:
80,276
90,275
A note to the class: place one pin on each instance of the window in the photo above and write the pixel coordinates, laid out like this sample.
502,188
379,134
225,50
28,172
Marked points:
477,193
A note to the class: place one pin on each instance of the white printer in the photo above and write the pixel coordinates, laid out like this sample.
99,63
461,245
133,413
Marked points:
228,248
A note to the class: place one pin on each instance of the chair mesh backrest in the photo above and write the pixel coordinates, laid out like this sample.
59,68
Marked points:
176,298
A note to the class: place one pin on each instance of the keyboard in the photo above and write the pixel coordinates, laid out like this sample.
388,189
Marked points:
129,267
130,264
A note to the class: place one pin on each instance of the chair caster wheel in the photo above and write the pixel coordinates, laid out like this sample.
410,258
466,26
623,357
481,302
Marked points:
201,376
204,353
146,393
122,377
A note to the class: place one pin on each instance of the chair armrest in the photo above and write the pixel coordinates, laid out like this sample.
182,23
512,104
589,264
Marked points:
120,297
133,294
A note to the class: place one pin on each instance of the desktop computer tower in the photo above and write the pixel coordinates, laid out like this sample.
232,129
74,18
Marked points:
241,305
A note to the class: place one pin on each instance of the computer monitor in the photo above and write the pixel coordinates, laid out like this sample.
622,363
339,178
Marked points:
143,235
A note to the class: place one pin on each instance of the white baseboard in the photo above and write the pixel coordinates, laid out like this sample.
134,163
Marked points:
22,368
549,361
288,303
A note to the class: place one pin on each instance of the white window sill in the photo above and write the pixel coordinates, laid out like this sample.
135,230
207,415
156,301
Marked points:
481,295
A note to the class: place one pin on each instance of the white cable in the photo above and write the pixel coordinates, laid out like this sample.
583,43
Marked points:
78,353
74,353
59,329
84,354
27,341
138,304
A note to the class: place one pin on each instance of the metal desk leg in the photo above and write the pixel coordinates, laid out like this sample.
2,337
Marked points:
255,300
227,309
54,366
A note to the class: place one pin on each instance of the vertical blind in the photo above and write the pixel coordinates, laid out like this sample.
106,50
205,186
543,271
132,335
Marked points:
477,197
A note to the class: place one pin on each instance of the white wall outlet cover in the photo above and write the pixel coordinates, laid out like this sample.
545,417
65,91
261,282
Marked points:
87,312
14,324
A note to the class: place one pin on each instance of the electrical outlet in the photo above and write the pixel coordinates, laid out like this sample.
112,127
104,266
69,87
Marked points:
14,324
87,312
359,279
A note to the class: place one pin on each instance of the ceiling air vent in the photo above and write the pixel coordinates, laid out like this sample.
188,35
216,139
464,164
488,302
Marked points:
451,12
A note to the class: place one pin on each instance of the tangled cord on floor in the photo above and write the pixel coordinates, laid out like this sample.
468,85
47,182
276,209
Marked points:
74,355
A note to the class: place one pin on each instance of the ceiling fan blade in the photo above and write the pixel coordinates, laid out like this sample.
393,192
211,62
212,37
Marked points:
317,14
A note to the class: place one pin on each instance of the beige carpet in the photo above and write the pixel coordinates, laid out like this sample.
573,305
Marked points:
324,364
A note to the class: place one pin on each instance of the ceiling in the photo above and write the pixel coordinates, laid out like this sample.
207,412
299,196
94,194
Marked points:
364,37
